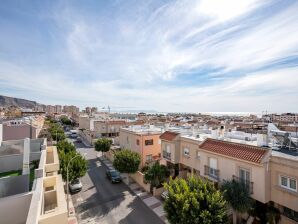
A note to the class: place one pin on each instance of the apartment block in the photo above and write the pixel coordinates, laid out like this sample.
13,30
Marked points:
143,140
22,201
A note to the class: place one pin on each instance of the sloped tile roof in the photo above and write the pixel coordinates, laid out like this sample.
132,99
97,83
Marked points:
168,135
245,152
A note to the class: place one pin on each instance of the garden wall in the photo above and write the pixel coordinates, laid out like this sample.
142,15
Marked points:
14,185
139,178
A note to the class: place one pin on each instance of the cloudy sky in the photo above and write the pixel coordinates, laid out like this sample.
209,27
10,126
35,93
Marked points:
198,56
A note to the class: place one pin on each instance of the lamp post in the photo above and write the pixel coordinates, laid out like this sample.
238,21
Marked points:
67,190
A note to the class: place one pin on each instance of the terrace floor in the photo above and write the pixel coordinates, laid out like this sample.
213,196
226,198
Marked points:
12,173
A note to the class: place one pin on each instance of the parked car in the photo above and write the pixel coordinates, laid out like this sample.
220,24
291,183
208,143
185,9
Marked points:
73,135
113,176
79,140
75,186
164,195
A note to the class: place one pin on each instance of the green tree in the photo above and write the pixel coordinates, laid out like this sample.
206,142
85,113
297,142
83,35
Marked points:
65,146
157,174
57,132
194,201
126,161
103,145
237,194
77,167
65,120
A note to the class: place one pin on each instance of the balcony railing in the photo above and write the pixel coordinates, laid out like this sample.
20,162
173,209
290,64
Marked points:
211,172
247,183
166,155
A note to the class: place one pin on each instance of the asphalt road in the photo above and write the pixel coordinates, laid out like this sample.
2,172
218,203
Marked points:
103,202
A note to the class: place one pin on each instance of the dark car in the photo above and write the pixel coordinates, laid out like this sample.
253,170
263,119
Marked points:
79,140
114,176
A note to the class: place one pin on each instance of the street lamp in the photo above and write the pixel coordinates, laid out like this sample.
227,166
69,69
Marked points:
67,187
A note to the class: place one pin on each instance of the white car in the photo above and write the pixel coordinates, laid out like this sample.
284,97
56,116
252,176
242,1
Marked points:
75,186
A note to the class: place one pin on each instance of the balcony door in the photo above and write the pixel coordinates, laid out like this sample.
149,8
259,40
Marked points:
213,167
244,175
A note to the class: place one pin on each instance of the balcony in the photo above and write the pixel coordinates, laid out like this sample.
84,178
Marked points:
211,172
247,183
52,160
166,155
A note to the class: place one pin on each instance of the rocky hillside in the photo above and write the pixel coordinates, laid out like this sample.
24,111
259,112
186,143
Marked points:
6,101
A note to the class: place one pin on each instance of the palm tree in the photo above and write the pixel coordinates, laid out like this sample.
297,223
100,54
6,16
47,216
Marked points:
238,196
272,214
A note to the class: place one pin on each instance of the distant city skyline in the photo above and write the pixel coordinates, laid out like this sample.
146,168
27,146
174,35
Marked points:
182,56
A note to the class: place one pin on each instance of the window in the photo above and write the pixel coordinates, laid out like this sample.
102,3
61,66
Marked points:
149,142
198,155
244,175
213,167
289,183
186,152
168,148
138,142
149,158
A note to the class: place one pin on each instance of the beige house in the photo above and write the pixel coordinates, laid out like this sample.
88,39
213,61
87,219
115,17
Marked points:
143,140
284,188
269,175
108,128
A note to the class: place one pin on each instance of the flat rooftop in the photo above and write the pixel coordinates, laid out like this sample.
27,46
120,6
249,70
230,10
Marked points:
142,130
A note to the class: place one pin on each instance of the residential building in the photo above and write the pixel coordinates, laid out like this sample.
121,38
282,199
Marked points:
28,127
58,109
284,185
269,175
108,128
94,110
144,140
39,202
71,110
50,109
88,110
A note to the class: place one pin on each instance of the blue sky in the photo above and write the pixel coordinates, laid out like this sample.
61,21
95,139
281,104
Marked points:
188,56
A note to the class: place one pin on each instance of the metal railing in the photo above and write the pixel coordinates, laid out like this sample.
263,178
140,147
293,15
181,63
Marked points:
211,172
248,184
166,155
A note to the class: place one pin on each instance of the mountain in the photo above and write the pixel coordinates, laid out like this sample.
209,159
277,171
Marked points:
6,101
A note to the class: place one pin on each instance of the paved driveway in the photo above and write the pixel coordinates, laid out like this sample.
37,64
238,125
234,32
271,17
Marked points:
103,202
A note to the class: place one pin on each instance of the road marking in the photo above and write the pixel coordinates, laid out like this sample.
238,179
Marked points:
79,199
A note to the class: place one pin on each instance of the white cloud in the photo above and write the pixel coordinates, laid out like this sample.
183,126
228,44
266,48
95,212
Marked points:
128,62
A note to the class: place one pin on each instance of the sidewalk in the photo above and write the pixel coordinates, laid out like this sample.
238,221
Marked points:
152,202
72,219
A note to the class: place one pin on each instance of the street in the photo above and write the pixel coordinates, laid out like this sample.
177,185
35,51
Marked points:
103,202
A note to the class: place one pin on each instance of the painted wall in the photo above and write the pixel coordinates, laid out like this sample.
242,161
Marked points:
14,209
129,139
230,166
14,185
282,166
18,132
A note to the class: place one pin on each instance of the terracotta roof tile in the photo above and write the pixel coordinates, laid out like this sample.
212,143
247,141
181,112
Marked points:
237,150
168,135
